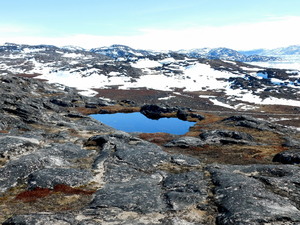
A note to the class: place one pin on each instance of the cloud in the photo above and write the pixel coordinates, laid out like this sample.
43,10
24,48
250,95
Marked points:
6,29
275,32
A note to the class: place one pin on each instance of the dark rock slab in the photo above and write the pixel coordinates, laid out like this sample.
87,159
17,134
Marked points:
182,114
197,116
288,157
141,195
226,137
245,196
50,177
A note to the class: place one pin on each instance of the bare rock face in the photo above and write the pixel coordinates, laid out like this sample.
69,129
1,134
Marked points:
256,194
66,168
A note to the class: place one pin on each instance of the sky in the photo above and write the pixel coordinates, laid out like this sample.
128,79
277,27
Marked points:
152,24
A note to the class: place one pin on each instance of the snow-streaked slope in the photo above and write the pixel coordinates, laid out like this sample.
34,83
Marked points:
240,85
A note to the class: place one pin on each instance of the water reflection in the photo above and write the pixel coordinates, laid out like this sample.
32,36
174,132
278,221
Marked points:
137,122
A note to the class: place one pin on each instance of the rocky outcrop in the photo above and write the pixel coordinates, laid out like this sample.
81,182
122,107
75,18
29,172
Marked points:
259,124
55,158
58,166
159,111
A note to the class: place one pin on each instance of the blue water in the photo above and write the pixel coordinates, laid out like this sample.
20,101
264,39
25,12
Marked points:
137,122
262,75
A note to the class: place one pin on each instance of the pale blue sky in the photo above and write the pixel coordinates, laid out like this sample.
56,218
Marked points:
160,24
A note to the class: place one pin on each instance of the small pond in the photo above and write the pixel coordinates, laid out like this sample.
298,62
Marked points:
137,122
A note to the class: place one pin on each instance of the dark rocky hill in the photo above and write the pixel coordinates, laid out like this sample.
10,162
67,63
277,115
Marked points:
59,166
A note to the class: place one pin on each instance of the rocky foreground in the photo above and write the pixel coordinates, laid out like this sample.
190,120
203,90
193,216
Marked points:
58,166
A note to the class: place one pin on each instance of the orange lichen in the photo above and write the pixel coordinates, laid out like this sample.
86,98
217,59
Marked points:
35,194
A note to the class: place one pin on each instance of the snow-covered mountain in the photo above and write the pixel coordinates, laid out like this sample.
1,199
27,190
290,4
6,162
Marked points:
284,51
121,52
240,84
226,54
287,57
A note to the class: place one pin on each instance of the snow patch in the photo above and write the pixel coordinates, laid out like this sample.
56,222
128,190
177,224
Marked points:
167,98
146,63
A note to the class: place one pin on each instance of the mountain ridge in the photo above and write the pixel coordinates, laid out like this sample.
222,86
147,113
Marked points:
118,51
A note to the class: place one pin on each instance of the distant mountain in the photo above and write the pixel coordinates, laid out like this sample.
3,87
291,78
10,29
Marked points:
73,48
226,54
290,50
120,51
196,52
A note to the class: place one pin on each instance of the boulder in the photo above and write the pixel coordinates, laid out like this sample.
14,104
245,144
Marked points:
291,156
156,111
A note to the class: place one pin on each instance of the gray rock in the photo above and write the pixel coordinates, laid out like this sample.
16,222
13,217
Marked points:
66,151
120,172
140,154
244,199
185,189
185,142
61,219
190,182
184,160
50,177
290,142
142,195
259,124
16,145
16,170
